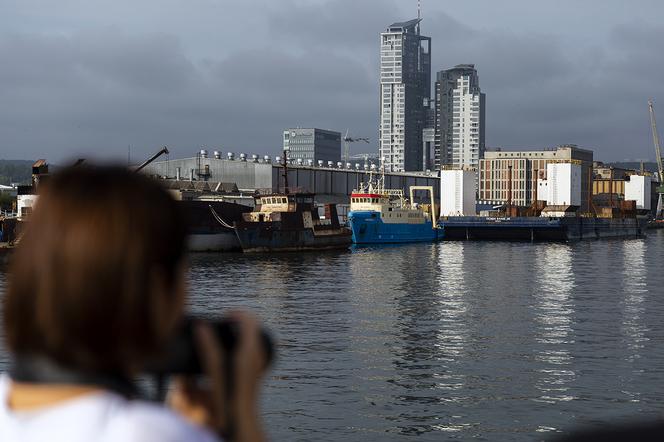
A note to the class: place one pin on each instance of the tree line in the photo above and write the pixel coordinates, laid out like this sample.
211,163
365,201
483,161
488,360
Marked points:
15,171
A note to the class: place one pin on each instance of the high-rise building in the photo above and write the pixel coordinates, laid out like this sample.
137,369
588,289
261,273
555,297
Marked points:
460,122
313,144
405,89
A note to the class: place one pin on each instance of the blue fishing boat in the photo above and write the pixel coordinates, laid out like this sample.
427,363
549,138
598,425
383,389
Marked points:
384,216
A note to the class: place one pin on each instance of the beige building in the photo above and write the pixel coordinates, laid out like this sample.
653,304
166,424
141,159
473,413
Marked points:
527,166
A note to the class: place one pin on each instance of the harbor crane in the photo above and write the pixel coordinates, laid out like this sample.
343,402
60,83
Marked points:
658,155
163,151
347,141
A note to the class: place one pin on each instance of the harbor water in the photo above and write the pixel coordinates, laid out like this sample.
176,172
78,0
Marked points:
454,340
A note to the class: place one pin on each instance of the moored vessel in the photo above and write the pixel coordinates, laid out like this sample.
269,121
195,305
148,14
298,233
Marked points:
382,216
533,228
288,222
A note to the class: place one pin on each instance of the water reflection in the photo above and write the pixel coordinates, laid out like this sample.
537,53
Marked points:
635,290
431,336
452,334
554,309
417,357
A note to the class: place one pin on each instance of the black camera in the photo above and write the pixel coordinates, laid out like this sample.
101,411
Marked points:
180,355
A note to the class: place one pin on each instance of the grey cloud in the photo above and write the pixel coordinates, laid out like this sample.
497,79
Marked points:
93,91
96,98
335,25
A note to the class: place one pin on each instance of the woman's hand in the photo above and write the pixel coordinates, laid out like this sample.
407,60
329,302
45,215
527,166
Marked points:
208,405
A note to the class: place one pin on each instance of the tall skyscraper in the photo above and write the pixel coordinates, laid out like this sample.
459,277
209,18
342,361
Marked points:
460,122
405,89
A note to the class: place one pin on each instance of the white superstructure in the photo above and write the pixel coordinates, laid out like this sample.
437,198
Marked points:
457,192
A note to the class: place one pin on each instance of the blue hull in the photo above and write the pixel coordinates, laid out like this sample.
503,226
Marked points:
368,228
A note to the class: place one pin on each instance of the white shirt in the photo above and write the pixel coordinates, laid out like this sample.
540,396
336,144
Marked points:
102,416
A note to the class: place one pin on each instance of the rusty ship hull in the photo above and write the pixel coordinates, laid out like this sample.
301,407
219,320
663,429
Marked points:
272,237
204,232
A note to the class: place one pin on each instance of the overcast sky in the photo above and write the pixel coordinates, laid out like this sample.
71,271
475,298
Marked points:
92,77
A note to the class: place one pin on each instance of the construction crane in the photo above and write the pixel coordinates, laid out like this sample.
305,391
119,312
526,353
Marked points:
347,141
658,155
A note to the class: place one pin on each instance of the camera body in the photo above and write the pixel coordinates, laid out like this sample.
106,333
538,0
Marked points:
180,356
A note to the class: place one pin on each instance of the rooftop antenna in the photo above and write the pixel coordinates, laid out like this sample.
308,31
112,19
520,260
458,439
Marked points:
419,7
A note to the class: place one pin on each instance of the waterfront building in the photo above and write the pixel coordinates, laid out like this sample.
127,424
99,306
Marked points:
312,144
249,173
614,184
459,118
405,90
639,189
606,171
562,185
526,167
457,191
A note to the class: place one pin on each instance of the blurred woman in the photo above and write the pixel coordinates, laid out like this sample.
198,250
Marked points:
95,289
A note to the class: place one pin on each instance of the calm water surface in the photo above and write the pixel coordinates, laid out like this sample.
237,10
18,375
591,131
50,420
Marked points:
458,340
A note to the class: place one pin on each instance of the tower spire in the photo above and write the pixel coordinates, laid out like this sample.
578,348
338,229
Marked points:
419,8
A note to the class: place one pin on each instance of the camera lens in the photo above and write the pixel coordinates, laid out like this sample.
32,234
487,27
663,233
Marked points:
180,354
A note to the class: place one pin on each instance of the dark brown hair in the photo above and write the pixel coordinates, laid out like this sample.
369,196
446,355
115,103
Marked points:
79,285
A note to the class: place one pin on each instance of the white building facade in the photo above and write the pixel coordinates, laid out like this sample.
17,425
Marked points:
405,87
457,192
564,184
639,189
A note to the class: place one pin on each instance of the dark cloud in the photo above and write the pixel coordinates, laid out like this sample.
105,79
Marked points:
94,90
338,25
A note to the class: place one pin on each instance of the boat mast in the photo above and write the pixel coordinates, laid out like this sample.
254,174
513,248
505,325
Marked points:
285,164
